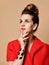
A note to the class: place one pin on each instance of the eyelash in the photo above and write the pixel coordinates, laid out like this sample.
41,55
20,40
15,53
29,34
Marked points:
20,21
27,21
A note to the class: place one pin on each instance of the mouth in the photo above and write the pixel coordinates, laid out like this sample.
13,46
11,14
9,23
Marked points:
23,28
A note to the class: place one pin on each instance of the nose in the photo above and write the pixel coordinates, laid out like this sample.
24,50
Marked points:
23,24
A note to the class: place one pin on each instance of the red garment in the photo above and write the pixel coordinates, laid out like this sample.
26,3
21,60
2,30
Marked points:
38,55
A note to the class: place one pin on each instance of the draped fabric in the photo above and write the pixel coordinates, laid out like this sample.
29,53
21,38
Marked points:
38,55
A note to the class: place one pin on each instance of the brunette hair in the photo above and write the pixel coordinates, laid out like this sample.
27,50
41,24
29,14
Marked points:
31,9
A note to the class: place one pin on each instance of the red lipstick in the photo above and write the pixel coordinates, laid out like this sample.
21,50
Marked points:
22,28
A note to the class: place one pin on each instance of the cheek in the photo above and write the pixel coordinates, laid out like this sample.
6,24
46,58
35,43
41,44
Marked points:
29,27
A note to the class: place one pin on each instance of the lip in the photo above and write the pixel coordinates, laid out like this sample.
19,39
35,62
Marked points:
23,28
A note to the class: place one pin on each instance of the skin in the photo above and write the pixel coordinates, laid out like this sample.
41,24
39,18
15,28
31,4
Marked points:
27,23
26,34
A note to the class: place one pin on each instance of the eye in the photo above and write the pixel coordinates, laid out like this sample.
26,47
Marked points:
20,21
26,21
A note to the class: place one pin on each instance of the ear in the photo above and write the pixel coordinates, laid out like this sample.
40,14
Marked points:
34,26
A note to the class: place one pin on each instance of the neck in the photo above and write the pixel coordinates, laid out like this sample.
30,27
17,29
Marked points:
30,41
30,38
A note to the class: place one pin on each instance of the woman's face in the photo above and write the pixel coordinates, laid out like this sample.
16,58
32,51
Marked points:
26,24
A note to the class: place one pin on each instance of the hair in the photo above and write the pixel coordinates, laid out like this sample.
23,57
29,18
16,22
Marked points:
32,10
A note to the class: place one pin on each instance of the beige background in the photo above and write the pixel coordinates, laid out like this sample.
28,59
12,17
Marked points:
10,11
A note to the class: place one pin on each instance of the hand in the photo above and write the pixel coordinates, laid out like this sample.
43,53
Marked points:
23,39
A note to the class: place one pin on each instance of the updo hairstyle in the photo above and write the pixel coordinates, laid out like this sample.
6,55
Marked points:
32,10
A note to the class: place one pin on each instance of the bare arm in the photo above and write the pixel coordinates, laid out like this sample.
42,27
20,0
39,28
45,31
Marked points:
19,60
16,62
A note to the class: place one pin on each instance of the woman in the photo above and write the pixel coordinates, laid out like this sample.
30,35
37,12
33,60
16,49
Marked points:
28,49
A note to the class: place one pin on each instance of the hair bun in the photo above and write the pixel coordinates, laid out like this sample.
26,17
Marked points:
32,8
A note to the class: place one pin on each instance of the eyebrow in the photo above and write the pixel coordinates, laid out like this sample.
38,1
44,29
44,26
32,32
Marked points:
25,20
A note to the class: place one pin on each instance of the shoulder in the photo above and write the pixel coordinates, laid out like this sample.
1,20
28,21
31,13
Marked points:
44,47
14,44
41,42
41,52
13,48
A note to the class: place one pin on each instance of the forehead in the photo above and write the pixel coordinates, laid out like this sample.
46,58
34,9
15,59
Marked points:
26,16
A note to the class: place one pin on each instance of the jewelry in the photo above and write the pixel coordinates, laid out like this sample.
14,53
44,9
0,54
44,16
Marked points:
21,53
